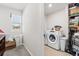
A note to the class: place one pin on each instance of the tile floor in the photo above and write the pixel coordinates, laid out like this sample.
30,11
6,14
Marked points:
18,51
21,51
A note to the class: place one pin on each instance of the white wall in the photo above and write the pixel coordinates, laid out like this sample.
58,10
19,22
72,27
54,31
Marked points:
59,18
33,18
5,21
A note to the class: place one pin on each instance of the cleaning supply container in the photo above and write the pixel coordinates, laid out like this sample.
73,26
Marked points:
63,43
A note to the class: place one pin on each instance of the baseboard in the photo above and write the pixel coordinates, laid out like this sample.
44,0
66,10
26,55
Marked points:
28,50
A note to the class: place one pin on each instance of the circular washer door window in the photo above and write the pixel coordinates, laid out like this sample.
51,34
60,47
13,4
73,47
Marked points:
52,38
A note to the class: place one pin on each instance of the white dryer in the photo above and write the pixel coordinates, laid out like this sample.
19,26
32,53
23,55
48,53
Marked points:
53,40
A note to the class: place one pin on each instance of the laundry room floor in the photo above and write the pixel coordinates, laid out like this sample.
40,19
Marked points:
18,51
52,52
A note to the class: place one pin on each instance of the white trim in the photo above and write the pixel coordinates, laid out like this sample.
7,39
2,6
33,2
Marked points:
28,50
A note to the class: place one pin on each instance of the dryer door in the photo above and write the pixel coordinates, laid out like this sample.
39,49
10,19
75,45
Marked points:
52,38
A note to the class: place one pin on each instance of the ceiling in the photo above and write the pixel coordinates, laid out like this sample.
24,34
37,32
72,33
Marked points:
18,6
48,10
54,8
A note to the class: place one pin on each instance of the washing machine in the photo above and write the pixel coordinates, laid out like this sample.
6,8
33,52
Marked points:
53,40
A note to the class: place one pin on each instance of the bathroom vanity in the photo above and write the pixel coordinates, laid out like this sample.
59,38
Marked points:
2,44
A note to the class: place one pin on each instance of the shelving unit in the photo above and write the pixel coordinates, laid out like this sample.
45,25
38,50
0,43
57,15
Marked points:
73,22
74,14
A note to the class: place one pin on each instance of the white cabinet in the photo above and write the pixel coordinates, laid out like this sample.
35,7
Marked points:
18,39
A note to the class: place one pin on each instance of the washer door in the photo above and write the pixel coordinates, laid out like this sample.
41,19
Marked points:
52,38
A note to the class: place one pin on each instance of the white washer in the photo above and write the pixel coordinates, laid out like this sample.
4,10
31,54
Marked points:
53,40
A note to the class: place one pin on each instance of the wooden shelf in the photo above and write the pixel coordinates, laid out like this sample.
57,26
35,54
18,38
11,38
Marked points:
74,26
74,11
72,7
74,15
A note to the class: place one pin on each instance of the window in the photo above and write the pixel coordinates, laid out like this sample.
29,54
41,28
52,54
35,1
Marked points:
16,23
